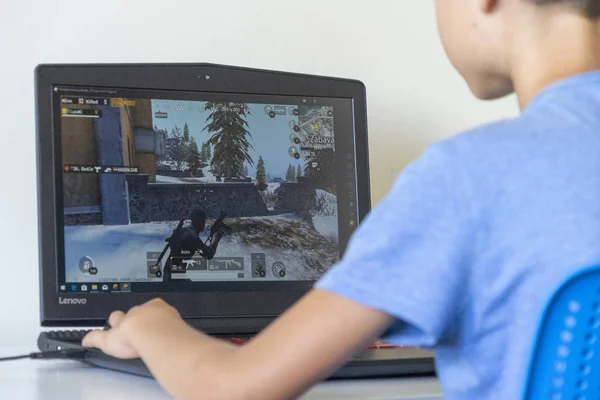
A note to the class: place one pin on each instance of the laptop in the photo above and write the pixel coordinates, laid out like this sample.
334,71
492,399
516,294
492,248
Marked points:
134,160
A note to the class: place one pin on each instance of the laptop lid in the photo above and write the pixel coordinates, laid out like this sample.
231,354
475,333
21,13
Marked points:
139,164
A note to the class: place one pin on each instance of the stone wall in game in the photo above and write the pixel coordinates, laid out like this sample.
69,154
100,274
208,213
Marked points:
297,198
150,202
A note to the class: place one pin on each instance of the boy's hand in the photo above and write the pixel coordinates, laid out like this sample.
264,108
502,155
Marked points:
187,362
117,342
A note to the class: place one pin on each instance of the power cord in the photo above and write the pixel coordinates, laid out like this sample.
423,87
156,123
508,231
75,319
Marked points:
64,354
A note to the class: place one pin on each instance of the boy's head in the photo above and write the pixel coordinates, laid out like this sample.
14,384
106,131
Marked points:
488,40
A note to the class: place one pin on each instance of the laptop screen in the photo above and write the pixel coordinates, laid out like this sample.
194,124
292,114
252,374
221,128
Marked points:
185,191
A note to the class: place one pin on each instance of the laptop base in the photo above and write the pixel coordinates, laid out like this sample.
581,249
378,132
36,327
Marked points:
373,363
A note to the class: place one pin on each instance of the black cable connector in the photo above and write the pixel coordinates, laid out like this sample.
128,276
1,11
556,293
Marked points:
64,354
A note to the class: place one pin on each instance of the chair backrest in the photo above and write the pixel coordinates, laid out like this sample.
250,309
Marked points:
565,364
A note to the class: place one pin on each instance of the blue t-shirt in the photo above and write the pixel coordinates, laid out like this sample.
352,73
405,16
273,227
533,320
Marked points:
477,234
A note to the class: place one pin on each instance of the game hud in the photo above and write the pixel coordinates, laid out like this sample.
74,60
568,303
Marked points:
161,190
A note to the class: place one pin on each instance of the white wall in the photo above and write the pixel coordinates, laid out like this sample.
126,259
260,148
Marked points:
414,96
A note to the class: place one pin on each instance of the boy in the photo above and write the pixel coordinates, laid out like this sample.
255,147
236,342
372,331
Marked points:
464,252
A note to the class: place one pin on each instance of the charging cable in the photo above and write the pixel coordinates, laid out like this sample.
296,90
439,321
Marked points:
64,354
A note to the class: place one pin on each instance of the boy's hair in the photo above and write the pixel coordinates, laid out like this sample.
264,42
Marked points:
590,8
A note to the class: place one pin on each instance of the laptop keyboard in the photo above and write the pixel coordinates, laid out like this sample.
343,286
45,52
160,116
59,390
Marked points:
70,336
76,336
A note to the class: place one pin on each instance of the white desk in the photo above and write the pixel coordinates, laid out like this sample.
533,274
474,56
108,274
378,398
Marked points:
69,380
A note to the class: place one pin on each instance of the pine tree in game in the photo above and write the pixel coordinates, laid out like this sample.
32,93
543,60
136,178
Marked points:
290,175
193,158
186,133
177,149
229,128
203,153
261,175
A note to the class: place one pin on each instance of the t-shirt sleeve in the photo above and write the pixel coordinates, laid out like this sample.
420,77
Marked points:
410,257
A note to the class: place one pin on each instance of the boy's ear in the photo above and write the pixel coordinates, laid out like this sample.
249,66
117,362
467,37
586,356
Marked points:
488,6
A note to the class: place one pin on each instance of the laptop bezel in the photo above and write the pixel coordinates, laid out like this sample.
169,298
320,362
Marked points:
212,311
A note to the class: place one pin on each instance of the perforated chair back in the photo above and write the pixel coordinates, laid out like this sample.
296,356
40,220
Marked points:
565,363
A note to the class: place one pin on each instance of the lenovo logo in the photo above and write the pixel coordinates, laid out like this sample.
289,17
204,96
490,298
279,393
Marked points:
65,301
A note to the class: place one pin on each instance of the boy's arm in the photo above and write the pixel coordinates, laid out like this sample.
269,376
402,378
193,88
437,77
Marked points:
421,240
303,346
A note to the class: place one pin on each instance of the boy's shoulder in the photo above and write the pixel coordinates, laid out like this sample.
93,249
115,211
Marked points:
483,144
479,159
491,134
569,105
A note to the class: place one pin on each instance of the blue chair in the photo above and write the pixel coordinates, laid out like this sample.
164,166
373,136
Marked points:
565,363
